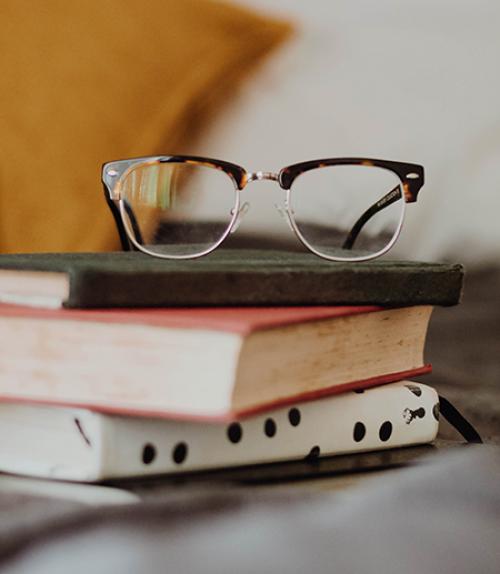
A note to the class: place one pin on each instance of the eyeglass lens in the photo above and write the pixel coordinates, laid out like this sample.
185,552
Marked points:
177,209
347,211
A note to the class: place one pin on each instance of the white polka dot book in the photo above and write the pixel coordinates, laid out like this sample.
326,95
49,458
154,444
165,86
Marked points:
84,445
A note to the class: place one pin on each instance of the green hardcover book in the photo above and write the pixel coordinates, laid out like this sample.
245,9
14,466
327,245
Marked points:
227,277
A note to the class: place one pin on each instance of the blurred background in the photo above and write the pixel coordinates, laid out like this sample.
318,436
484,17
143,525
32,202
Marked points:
262,83
409,80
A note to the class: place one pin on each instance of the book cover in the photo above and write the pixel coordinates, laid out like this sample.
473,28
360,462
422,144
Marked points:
236,277
78,444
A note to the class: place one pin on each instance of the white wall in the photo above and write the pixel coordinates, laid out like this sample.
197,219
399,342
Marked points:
415,80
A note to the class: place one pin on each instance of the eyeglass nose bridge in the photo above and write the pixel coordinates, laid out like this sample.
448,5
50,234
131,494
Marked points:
261,176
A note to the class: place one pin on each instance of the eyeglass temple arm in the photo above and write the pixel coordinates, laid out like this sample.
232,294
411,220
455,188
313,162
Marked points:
133,222
126,244
382,203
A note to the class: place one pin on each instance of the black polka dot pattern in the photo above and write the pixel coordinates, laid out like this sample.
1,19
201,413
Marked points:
420,413
359,391
313,454
148,453
179,454
435,411
415,390
359,432
270,428
385,431
234,432
294,417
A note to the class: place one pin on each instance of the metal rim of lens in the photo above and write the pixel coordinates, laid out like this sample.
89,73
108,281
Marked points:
140,247
385,249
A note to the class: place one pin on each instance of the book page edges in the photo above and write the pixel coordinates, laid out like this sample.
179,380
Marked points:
219,410
48,362
334,389
329,353
45,289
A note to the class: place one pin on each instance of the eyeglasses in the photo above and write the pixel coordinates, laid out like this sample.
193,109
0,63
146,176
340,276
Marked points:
183,207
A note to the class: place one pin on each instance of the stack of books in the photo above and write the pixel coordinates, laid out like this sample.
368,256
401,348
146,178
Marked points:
122,365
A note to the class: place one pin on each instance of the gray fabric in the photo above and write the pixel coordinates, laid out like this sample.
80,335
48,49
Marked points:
464,348
24,518
443,516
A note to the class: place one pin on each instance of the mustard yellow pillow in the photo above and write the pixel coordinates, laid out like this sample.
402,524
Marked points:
87,82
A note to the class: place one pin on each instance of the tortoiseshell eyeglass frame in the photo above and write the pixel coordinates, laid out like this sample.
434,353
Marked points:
410,175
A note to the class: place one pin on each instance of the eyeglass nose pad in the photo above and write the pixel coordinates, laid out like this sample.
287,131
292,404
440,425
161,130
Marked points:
283,214
241,214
